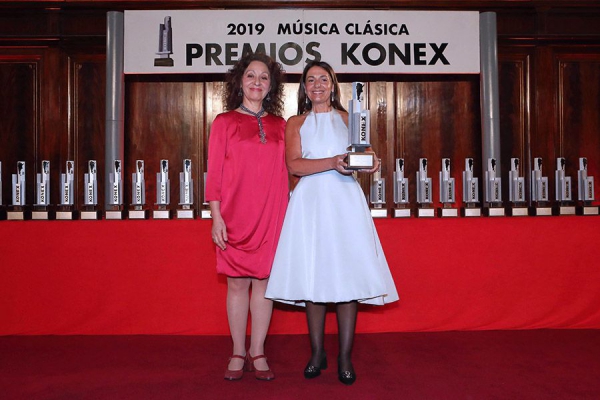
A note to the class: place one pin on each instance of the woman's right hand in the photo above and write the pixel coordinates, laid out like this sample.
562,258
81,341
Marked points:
219,232
339,164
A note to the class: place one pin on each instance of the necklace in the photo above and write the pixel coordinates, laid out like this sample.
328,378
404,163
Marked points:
258,115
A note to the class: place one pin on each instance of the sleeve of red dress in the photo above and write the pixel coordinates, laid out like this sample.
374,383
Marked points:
217,147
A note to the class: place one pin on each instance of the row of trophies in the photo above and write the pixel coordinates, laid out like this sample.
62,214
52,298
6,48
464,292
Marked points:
564,203
358,158
42,209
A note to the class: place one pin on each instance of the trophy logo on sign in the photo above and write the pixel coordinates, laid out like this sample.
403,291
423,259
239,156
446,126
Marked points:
539,190
447,191
377,195
516,190
401,190
90,197
115,201
165,44
470,191
163,192
42,193
585,190
493,190
359,131
424,195
186,191
205,210
17,211
563,189
138,193
65,207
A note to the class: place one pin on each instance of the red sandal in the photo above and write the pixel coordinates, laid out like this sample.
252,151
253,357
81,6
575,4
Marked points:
235,375
266,375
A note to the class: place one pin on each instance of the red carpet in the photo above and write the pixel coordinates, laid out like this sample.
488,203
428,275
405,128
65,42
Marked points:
533,364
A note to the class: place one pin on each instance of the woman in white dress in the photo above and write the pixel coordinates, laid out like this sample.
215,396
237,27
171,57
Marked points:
329,251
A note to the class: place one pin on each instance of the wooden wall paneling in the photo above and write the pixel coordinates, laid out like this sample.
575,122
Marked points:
214,106
439,117
20,75
87,91
164,120
579,102
514,76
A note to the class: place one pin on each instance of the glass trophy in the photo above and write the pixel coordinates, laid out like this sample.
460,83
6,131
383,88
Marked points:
186,192
163,192
424,195
447,191
114,209
401,191
17,211
493,190
65,206
516,191
359,131
377,195
165,45
562,191
138,209
42,193
585,190
470,191
205,210
2,211
90,196
539,190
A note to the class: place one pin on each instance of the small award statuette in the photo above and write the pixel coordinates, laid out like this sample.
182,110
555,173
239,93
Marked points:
17,212
186,192
42,193
205,210
516,191
470,191
539,190
447,191
138,193
114,209
563,189
493,191
65,207
165,45
400,191
424,195
359,131
585,190
90,195
377,195
163,192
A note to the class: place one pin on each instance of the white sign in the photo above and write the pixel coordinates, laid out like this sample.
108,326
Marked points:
210,41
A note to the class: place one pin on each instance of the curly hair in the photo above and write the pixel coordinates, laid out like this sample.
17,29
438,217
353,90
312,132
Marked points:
273,102
304,103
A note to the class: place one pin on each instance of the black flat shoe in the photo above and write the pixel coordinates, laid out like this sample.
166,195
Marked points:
346,377
312,372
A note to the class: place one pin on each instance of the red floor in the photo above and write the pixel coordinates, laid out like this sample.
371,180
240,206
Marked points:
532,364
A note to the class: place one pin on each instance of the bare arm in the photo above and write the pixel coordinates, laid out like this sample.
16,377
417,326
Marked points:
299,166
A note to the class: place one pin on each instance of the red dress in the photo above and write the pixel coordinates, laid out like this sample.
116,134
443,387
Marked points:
250,179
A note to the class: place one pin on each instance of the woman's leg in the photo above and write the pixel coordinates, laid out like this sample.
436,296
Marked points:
238,300
346,318
315,315
260,311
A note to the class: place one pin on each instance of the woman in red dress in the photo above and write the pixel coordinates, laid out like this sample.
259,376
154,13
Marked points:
247,189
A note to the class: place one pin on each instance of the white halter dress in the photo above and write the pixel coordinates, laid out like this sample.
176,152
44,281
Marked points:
329,250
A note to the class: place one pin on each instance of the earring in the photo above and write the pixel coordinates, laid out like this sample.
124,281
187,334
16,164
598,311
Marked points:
332,97
240,93
268,98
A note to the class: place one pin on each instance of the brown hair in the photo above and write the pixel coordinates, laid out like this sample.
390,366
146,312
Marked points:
304,103
273,102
